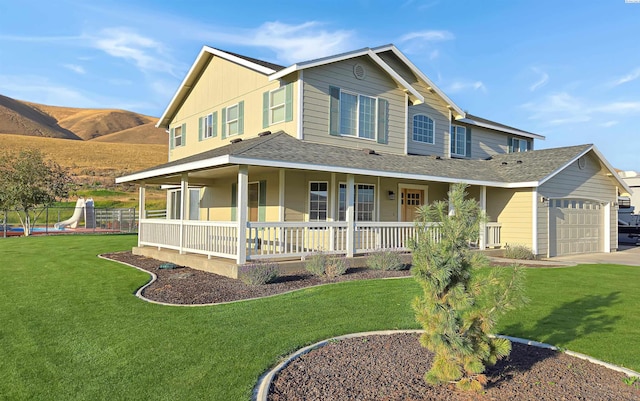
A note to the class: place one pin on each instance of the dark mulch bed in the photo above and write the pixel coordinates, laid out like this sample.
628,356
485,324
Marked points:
389,367
186,286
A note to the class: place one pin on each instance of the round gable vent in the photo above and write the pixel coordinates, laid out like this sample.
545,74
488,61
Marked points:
359,72
582,163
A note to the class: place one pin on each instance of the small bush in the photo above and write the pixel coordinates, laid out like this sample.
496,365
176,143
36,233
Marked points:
518,252
258,273
326,266
385,260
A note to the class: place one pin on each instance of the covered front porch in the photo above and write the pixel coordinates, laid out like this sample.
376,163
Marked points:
289,214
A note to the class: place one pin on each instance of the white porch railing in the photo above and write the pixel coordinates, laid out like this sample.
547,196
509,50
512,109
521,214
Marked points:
268,240
493,234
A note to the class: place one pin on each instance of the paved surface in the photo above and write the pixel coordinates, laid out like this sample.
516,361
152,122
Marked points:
626,255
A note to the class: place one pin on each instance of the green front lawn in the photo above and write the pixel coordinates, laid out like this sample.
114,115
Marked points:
72,329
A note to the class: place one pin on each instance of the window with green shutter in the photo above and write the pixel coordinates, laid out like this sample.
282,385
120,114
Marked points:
356,115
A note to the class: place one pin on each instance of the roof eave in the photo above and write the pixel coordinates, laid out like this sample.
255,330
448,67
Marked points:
502,129
603,160
454,107
201,61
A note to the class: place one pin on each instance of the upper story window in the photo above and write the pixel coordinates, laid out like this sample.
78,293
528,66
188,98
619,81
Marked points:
208,126
357,115
519,145
423,128
459,141
277,106
318,197
233,120
177,136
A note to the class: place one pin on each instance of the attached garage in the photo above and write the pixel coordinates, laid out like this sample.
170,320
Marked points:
576,226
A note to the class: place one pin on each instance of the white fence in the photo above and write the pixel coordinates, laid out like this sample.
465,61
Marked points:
267,240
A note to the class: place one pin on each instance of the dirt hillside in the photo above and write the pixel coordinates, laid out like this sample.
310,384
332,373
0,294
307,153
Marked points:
121,126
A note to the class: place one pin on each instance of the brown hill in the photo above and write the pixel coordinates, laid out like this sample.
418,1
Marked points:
32,119
145,134
21,118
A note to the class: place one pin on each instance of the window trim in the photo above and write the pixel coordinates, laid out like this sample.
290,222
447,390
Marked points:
273,107
355,203
207,126
358,120
326,203
176,137
228,122
433,129
452,141
528,143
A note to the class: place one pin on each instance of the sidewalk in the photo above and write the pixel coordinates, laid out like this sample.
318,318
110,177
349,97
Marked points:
626,255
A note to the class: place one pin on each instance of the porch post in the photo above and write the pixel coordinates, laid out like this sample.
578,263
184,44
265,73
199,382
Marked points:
332,211
452,210
482,239
184,202
350,216
281,208
241,212
142,211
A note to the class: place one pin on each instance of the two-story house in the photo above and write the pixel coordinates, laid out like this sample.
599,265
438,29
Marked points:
335,154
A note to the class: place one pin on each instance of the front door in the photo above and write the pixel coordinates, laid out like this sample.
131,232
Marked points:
410,200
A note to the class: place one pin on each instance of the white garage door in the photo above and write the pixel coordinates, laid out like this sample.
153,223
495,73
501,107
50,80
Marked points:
575,226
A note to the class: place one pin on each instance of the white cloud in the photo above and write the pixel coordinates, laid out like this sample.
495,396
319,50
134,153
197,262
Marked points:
563,108
78,69
460,86
39,89
632,76
427,36
291,43
544,78
146,53
423,42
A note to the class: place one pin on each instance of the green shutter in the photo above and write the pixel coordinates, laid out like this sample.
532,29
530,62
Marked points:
451,141
530,144
171,138
468,145
334,110
241,118
509,144
288,103
184,134
224,122
265,109
214,124
200,128
383,121
262,201
234,201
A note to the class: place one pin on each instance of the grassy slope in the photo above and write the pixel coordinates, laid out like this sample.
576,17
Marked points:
71,328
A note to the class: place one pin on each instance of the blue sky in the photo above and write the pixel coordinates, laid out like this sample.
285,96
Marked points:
569,70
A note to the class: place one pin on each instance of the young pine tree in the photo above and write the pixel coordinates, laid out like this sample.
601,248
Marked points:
460,303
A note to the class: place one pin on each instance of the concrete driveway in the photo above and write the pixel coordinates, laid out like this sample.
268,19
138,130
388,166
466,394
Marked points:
626,255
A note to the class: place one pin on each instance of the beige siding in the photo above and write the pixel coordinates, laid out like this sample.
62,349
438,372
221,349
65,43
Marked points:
590,182
223,84
485,143
376,84
512,208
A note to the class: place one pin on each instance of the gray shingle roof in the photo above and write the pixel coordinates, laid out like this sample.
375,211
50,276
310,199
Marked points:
280,147
263,63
